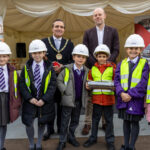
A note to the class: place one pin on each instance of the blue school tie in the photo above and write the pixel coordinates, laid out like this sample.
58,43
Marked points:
2,79
37,78
57,44
78,71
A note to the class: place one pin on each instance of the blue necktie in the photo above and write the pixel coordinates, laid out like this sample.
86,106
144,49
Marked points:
2,79
57,44
78,71
37,78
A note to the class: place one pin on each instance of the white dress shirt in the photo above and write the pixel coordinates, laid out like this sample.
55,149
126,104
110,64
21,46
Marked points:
133,60
5,71
100,35
57,42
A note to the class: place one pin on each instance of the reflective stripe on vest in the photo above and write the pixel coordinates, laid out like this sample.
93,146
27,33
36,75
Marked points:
106,76
66,78
148,91
27,80
15,82
136,75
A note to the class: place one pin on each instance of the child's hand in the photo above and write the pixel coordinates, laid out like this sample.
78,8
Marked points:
40,103
125,97
87,86
33,101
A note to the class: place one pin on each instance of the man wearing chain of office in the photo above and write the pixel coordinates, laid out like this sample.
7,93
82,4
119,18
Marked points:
59,53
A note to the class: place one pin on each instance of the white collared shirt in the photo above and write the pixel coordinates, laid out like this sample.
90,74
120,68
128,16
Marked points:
57,40
5,71
41,64
100,35
76,68
133,60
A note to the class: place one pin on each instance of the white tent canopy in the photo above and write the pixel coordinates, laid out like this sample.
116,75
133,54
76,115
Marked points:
25,20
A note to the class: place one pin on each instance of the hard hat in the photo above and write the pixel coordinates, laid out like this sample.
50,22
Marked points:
134,40
102,48
81,49
4,48
37,46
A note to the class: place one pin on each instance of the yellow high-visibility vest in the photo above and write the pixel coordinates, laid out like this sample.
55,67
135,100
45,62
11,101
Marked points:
148,91
98,76
15,82
27,80
136,75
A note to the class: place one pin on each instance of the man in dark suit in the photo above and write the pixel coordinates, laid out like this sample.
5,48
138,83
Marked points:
100,34
60,53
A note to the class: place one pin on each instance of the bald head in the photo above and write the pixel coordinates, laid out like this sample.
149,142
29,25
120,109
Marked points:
99,17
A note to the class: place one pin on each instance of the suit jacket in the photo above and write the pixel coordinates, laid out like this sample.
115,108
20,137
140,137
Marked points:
110,38
66,53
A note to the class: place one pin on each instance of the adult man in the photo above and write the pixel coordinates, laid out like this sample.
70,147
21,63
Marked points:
60,53
100,34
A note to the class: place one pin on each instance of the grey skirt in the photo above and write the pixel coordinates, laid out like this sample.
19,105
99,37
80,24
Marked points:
4,109
123,115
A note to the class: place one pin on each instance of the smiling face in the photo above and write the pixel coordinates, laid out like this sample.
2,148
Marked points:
133,52
99,17
101,58
79,60
58,29
4,59
38,56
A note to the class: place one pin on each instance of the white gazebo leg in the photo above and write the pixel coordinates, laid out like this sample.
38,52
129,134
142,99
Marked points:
1,29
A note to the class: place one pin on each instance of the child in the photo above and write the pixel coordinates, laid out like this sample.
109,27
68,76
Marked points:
102,100
131,81
37,85
71,82
10,100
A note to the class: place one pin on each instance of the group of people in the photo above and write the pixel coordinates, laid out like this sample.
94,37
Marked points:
57,72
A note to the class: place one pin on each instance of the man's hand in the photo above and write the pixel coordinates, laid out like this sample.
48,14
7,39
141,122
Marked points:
57,68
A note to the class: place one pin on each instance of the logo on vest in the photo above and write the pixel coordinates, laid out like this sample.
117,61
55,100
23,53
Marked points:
130,109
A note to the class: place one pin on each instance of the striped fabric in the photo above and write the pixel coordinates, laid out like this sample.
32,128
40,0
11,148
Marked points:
37,78
2,79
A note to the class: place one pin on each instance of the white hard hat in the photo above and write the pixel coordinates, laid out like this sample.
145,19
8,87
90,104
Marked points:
81,49
37,46
102,48
4,48
134,40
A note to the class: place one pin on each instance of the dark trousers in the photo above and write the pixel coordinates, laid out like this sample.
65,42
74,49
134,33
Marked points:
50,125
72,115
98,110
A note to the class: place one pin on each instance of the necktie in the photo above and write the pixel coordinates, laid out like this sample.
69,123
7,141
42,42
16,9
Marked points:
2,79
37,78
78,71
57,44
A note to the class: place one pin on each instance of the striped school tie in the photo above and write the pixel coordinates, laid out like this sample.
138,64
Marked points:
37,78
2,79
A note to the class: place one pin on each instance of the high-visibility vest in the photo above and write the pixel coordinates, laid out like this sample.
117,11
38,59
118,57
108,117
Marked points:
98,76
66,78
148,91
136,75
15,82
27,80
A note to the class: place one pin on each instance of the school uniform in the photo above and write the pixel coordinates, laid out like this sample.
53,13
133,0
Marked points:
10,100
131,112
74,97
44,113
102,104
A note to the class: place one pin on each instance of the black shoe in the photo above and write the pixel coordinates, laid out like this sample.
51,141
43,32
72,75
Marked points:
47,135
3,148
74,142
110,146
61,146
123,147
89,143
39,148
34,148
